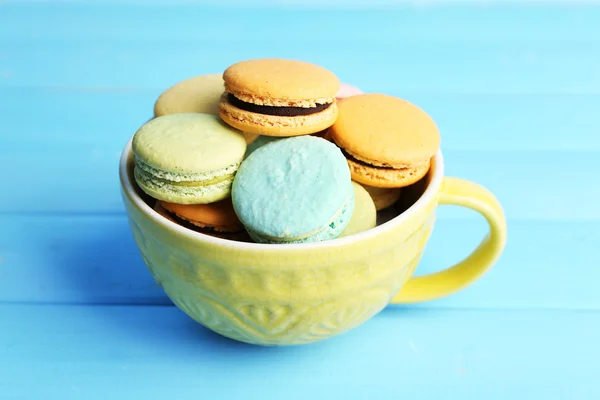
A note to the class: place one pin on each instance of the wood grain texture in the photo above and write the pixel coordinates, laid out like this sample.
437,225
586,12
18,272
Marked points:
404,48
73,352
515,90
66,118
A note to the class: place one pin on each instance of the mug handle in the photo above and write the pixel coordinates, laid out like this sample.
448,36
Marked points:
456,191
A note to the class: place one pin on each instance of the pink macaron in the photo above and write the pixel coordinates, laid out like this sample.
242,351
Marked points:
347,90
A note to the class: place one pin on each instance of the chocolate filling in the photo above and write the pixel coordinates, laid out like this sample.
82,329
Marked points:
349,157
273,110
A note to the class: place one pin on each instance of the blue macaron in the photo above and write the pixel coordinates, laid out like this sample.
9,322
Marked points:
294,190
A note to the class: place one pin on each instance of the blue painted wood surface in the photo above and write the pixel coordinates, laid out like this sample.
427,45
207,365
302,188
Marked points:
515,89
77,352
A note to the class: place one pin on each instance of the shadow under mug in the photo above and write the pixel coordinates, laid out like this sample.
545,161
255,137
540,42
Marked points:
290,294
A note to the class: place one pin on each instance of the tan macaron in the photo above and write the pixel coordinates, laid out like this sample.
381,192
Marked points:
199,94
388,141
279,97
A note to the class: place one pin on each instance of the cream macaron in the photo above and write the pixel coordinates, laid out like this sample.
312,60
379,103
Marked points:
200,94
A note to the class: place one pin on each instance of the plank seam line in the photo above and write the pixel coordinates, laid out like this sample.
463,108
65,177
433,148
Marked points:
145,89
389,308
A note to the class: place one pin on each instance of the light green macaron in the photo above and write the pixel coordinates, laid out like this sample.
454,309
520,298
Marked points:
187,158
364,216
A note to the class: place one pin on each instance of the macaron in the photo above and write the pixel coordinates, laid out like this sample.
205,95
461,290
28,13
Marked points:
188,158
260,141
215,219
160,210
279,97
347,90
200,94
383,197
364,216
388,141
250,137
294,190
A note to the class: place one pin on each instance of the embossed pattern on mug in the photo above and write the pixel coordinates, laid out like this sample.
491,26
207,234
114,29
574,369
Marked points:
269,306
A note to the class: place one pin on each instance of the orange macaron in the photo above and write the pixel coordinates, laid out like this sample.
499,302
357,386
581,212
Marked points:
215,219
388,141
279,97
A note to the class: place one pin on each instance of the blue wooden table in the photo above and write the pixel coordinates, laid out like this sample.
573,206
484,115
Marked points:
515,89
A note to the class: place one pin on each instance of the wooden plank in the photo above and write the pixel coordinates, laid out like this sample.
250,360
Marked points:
469,67
66,119
94,260
515,91
451,5
70,352
478,122
455,19
403,43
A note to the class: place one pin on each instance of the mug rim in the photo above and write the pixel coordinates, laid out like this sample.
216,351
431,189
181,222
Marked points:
436,171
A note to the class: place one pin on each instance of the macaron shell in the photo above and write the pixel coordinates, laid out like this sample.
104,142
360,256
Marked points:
277,78
241,236
387,177
386,129
383,197
219,216
271,125
291,187
189,143
199,94
333,230
159,209
364,216
250,137
260,141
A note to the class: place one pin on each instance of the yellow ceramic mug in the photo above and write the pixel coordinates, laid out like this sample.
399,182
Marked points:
301,293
